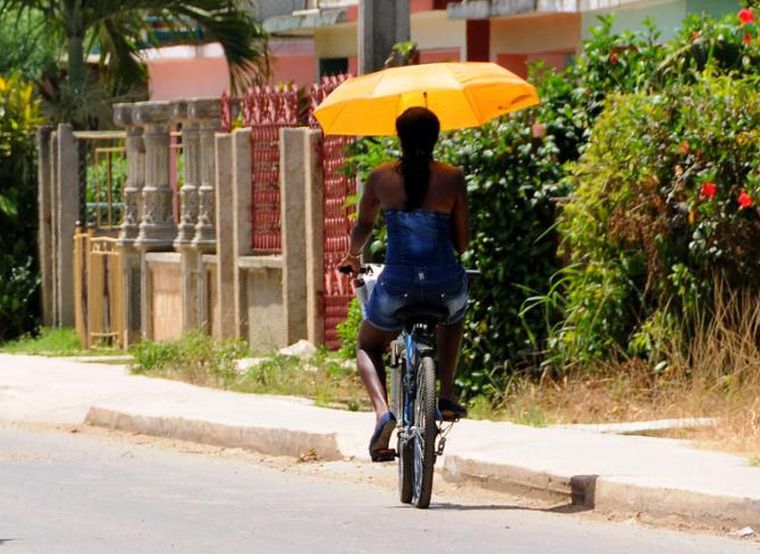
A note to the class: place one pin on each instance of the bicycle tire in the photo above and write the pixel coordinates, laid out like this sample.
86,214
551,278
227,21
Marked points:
424,439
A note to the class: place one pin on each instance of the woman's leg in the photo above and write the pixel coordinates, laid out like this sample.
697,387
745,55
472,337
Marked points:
449,338
370,347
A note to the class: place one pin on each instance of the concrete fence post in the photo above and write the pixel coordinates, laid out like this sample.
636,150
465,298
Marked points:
226,259
129,230
314,221
67,208
292,209
45,221
56,319
241,214
381,25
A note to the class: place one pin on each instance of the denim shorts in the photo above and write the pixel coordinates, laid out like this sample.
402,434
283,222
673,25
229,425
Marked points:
401,286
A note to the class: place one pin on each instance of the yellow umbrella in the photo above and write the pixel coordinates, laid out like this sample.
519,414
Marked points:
460,94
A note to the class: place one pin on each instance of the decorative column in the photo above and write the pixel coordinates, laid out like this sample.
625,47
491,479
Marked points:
190,262
189,192
130,227
207,114
157,229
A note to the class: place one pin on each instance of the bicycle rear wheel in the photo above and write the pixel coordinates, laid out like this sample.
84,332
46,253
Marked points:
423,442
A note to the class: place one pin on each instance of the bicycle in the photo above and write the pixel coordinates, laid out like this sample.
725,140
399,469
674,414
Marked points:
421,430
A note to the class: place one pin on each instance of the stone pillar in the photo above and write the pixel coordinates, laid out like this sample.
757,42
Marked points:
157,229
315,257
226,259
292,209
67,210
190,258
45,221
381,25
130,227
241,199
206,112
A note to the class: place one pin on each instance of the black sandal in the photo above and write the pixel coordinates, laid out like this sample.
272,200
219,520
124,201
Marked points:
450,410
378,444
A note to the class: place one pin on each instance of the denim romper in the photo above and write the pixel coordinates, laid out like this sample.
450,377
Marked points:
420,268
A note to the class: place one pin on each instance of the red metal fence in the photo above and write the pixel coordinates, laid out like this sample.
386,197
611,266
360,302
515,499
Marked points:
266,110
337,190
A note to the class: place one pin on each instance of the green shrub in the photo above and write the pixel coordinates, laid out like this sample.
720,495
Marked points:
664,200
19,117
348,329
196,358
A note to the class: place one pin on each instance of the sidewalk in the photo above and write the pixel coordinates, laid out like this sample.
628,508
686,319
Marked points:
604,471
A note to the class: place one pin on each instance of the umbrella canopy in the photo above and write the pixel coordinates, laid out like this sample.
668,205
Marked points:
460,94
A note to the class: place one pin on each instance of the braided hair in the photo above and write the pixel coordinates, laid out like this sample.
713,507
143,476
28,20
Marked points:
417,129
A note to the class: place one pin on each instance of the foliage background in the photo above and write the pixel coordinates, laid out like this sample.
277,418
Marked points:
567,275
19,117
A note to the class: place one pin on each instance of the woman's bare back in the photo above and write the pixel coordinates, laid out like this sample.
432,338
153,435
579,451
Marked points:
445,184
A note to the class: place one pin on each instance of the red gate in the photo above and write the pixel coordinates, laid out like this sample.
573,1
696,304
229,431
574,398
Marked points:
337,189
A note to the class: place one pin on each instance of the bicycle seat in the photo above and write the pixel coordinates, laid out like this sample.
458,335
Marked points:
422,313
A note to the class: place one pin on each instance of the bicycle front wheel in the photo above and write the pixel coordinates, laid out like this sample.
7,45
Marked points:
425,433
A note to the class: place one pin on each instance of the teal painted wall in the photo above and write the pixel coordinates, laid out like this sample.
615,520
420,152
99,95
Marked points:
667,15
716,8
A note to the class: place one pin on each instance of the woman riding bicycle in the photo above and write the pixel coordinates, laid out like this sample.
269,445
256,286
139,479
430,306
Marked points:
427,217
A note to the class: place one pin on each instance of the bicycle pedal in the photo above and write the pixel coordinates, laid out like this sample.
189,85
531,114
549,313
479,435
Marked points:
385,455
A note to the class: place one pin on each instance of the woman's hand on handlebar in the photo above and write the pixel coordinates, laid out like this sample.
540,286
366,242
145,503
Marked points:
350,261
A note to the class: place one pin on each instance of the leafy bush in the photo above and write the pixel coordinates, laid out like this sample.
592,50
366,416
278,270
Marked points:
636,235
664,200
19,116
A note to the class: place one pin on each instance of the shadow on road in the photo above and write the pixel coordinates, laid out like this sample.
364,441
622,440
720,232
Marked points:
562,509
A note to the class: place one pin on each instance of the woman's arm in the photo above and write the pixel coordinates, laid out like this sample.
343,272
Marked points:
460,216
365,221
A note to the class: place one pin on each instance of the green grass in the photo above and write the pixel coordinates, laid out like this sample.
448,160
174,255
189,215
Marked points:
200,360
755,461
52,342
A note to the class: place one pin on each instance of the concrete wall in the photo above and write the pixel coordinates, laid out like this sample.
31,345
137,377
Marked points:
165,295
433,30
535,34
173,72
264,310
293,60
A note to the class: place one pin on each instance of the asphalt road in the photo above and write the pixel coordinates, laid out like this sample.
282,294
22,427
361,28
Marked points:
89,493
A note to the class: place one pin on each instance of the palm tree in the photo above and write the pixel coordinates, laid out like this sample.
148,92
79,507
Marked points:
118,29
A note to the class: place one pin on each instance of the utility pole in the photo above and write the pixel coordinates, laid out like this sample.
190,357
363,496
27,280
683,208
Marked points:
382,23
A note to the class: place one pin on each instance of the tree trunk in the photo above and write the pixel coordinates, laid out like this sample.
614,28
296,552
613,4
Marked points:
76,75
75,37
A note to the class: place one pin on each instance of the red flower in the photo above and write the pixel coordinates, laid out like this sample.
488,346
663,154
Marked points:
683,148
708,190
745,200
613,59
746,16
747,39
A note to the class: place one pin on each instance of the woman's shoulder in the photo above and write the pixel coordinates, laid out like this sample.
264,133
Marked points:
446,169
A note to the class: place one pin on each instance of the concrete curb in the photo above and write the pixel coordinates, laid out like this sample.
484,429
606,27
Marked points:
267,440
607,494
